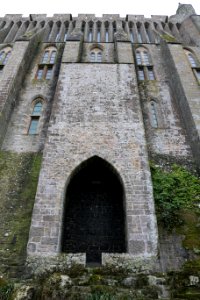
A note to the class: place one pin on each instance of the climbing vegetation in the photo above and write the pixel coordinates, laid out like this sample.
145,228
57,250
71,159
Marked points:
174,191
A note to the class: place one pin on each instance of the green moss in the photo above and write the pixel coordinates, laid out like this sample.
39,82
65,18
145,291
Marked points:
168,38
101,296
95,279
192,267
18,184
190,230
76,271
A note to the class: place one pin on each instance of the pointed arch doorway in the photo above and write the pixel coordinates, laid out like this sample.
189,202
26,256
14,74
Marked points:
93,219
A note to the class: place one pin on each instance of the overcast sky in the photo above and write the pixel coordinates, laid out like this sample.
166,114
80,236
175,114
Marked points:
123,7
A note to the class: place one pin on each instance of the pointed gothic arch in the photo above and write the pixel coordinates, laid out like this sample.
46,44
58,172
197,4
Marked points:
93,220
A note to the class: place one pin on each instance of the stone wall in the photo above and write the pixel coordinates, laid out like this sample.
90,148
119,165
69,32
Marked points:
17,138
96,112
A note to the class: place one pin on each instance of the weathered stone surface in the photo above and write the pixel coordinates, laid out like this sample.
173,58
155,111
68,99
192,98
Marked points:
102,110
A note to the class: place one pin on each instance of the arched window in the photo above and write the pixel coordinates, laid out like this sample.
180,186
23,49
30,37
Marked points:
90,32
195,65
98,32
144,65
106,32
138,58
58,32
96,55
139,33
45,68
131,32
45,57
35,117
146,58
4,56
52,57
148,35
66,31
153,113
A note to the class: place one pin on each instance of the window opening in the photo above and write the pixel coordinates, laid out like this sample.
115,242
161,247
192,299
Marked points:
53,57
154,114
99,33
139,34
90,35
150,73
141,73
35,116
45,57
49,73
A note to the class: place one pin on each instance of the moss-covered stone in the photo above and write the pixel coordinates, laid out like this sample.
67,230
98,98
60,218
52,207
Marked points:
168,38
18,183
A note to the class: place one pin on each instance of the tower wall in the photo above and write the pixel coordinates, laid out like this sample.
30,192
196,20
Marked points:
96,112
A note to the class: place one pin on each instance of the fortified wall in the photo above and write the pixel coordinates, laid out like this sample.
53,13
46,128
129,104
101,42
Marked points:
97,98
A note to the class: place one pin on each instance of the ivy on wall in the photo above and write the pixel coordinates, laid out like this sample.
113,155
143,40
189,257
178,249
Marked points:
174,190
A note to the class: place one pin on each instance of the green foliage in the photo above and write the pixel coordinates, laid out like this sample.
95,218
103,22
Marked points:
6,289
174,190
101,296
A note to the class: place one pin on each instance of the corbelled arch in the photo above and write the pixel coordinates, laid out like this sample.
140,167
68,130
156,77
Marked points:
94,218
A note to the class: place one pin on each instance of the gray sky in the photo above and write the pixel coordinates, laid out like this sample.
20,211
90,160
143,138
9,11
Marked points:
124,7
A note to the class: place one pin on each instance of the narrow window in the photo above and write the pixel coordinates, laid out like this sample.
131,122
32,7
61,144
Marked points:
147,33
50,28
90,36
53,57
114,28
138,58
66,31
139,34
37,109
154,120
57,37
65,37
99,33
83,27
99,57
141,73
92,57
146,58
131,35
35,117
33,125
7,57
39,73
194,64
45,57
2,55
192,61
107,33
49,73
150,73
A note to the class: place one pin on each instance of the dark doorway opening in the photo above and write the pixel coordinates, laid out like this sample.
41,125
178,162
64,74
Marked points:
94,214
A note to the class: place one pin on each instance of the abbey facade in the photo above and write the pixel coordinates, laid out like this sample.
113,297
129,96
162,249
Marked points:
98,97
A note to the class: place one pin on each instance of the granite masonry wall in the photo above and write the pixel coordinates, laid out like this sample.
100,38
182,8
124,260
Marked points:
96,112
100,110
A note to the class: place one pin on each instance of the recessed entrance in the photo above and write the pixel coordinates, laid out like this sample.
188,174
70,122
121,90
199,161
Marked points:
94,214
